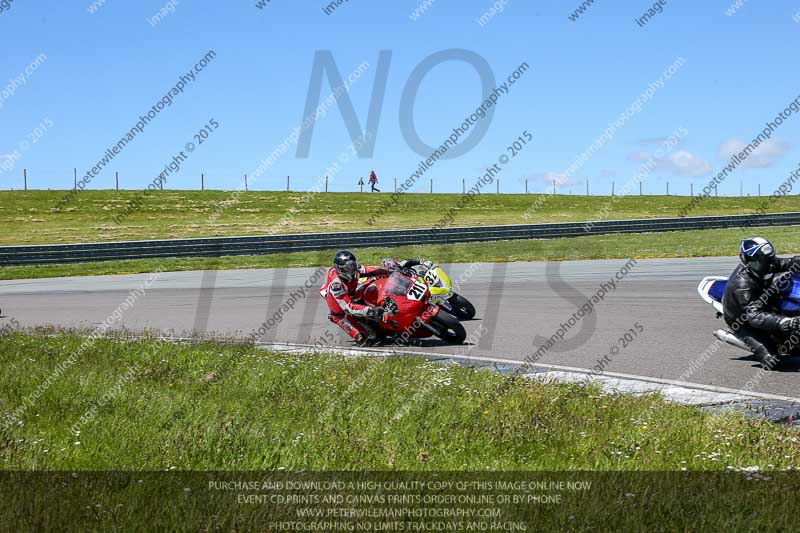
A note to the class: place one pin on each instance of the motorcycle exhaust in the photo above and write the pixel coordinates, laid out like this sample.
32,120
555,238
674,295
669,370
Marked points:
726,336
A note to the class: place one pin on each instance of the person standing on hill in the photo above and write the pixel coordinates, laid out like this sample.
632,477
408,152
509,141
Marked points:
373,181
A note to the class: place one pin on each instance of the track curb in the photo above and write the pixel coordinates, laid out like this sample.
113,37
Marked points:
777,408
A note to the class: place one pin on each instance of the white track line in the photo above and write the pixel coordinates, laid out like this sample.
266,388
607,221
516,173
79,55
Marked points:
725,394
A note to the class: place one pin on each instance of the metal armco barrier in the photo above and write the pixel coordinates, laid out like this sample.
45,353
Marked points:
307,242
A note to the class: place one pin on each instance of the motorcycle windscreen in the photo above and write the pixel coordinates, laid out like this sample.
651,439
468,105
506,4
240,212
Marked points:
397,284
717,289
711,289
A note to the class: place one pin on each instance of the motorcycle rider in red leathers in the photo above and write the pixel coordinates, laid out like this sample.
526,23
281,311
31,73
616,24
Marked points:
340,291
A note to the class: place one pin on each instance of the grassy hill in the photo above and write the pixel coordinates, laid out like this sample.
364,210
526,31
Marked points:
30,217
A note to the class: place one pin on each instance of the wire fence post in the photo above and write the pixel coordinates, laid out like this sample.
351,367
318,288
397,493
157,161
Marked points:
202,181
245,183
431,185
526,185
759,189
667,188
75,178
640,188
287,183
587,186
741,188
25,177
498,185
612,187
554,186
116,180
463,186
326,183
691,189
395,184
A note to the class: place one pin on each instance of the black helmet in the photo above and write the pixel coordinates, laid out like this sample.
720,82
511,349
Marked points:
346,265
758,255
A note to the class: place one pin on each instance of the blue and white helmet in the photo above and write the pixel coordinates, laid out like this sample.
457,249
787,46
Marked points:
758,255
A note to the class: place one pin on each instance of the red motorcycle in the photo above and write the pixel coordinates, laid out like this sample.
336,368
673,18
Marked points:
405,298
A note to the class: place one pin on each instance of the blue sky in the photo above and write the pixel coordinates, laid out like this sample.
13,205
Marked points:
104,69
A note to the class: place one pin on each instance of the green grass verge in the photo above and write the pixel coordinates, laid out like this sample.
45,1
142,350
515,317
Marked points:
29,217
149,406
701,243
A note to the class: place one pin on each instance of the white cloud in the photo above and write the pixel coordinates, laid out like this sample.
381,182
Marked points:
559,177
683,163
679,163
765,155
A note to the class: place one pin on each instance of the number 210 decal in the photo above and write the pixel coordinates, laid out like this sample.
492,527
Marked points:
417,290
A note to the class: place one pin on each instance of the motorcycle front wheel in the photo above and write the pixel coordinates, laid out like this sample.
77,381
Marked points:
448,328
462,308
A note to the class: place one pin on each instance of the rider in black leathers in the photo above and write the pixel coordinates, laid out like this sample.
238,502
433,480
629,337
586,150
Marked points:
750,289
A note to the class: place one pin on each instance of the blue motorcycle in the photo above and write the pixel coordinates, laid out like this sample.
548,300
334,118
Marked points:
787,302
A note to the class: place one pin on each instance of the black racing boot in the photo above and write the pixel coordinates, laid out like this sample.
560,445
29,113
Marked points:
768,361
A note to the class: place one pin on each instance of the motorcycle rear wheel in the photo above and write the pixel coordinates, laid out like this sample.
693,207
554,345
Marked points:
448,328
462,308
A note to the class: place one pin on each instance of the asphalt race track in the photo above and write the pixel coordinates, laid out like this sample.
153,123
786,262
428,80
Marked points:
516,302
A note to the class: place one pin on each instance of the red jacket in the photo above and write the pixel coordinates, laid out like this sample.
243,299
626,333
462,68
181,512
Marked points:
372,177
341,296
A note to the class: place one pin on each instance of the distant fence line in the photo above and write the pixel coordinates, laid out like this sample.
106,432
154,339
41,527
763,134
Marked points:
361,185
